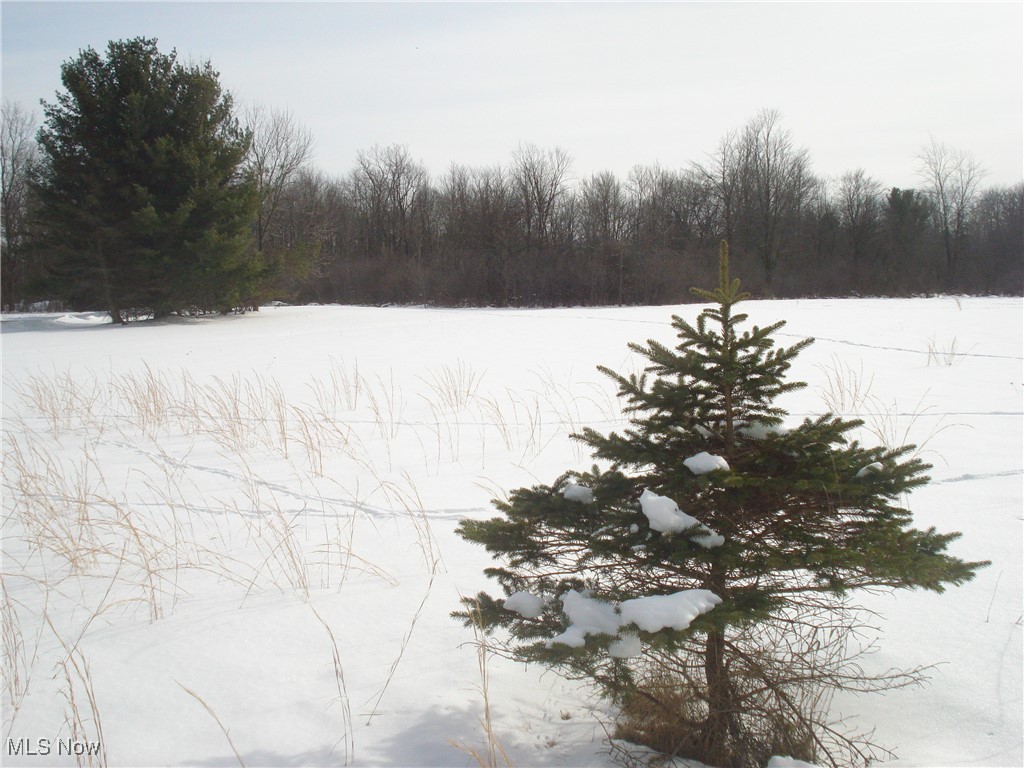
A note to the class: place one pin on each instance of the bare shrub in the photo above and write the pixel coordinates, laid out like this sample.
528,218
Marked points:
785,674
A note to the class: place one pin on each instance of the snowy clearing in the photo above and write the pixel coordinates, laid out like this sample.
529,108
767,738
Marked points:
232,539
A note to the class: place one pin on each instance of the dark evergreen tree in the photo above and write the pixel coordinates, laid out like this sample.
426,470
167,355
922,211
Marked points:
144,202
706,497
908,259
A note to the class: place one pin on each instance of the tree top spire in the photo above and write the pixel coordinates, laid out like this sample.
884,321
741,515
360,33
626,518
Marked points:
728,291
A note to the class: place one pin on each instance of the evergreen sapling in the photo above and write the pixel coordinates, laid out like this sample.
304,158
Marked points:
699,573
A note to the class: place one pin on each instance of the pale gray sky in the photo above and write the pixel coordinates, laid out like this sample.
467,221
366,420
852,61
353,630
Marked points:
860,85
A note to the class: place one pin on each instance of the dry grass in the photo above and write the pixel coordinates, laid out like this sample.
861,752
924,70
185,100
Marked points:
390,674
431,553
493,754
348,738
60,400
81,711
846,393
213,714
454,387
944,354
20,654
162,487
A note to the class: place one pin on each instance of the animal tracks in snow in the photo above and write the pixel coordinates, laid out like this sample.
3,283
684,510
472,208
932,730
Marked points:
979,476
310,500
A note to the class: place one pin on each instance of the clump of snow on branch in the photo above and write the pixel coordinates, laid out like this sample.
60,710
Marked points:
590,616
705,462
580,493
665,516
587,616
875,466
526,605
674,611
758,430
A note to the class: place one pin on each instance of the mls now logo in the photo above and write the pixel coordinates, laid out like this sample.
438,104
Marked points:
45,747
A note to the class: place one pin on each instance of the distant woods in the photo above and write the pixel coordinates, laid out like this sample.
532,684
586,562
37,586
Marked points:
530,232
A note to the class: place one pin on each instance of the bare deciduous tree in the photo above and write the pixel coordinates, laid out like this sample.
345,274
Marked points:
860,204
18,154
776,180
390,188
952,177
722,176
280,148
454,207
602,214
541,178
495,218
998,240
602,208
760,183
650,191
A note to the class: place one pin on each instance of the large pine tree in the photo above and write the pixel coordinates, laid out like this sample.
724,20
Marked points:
699,572
144,199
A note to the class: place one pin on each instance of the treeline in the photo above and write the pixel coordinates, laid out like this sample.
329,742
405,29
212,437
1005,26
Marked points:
530,232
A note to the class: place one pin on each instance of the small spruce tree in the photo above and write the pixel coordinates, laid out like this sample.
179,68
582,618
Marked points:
700,573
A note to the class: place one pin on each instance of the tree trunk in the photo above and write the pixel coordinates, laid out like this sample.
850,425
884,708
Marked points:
721,722
722,726
113,305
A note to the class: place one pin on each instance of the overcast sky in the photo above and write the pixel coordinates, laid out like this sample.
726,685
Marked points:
860,85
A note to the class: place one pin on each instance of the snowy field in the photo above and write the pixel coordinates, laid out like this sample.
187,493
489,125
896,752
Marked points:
231,540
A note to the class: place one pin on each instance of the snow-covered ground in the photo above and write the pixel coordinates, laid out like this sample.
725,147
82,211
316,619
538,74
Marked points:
231,540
